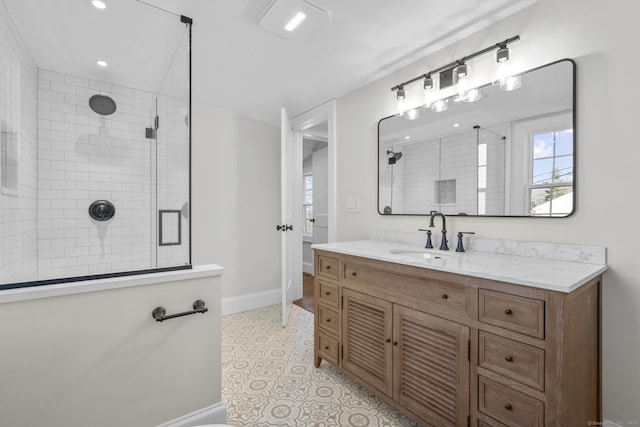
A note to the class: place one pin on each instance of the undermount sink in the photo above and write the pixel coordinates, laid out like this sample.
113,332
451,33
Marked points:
421,253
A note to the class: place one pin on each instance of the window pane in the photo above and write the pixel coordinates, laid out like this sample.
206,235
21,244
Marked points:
543,145
551,201
482,203
482,177
482,154
564,142
308,189
542,171
564,169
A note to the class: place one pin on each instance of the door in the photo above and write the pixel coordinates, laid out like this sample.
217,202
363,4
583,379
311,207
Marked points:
320,166
367,340
431,366
286,213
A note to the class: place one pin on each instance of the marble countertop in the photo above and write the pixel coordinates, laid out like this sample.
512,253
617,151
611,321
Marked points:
544,273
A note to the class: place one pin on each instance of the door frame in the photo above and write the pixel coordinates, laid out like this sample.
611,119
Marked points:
325,112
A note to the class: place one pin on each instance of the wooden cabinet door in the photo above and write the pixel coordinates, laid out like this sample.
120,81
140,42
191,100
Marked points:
366,339
431,366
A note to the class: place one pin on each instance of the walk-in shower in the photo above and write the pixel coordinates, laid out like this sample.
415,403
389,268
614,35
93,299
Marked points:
89,193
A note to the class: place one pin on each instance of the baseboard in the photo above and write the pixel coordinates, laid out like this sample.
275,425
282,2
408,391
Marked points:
214,414
251,301
307,267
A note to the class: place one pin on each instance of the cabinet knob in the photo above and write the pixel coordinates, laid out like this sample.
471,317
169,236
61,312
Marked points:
395,343
508,312
328,293
509,359
388,340
508,407
354,273
328,267
326,348
328,320
445,296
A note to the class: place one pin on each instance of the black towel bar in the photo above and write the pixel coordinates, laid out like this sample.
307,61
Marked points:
160,314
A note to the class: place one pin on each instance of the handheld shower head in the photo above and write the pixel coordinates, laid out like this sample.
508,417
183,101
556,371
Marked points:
394,157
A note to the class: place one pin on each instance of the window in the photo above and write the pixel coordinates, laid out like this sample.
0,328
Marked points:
551,183
482,179
307,205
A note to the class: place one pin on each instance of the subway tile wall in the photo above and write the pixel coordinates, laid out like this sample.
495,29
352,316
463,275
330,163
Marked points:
18,119
416,174
82,157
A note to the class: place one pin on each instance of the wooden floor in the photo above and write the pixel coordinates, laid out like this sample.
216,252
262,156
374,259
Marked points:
306,301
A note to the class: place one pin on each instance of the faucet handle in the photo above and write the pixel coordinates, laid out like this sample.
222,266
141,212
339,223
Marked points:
460,247
429,244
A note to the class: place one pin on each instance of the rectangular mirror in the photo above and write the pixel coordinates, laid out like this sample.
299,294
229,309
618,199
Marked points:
508,153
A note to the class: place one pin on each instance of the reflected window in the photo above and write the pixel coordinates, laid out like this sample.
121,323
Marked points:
482,179
551,184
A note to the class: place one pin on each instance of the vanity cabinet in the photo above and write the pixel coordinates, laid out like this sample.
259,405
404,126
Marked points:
458,350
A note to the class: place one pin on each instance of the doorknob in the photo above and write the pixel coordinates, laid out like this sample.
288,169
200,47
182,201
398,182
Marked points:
312,220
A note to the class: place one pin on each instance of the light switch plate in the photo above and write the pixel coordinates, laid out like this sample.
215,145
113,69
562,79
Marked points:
353,204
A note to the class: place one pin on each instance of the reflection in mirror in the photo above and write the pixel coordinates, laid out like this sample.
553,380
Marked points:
511,153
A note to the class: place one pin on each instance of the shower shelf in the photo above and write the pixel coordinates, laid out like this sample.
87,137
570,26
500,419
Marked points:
159,313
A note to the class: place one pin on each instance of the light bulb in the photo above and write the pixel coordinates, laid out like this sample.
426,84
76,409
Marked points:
412,114
474,95
440,105
510,83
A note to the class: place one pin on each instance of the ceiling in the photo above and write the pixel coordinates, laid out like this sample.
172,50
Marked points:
239,65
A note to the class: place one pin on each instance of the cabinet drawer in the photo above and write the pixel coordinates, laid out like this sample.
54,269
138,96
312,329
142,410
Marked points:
509,406
488,422
327,293
518,314
328,319
327,348
328,267
512,359
441,297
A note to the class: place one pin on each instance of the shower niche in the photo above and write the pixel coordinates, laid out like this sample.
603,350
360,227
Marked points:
91,188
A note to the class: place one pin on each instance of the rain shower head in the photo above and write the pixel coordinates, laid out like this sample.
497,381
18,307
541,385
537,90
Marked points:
102,104
394,157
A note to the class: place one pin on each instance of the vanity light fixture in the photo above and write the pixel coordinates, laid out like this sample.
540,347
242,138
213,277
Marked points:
460,73
295,21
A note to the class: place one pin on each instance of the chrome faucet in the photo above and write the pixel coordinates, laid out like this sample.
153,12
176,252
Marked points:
443,242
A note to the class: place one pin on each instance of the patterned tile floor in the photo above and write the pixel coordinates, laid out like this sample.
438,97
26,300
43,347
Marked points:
268,378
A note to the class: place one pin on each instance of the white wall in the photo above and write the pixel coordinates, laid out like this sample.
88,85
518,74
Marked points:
18,116
236,200
100,359
602,39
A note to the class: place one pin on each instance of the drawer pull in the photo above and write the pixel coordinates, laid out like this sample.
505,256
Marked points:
445,296
509,359
508,407
354,273
388,340
326,348
328,293
395,343
328,320
328,267
508,312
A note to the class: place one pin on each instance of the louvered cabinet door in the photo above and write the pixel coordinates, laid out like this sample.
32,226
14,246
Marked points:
366,339
431,367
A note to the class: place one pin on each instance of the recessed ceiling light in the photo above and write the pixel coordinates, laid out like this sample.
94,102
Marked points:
295,21
455,125
102,63
98,4
407,137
